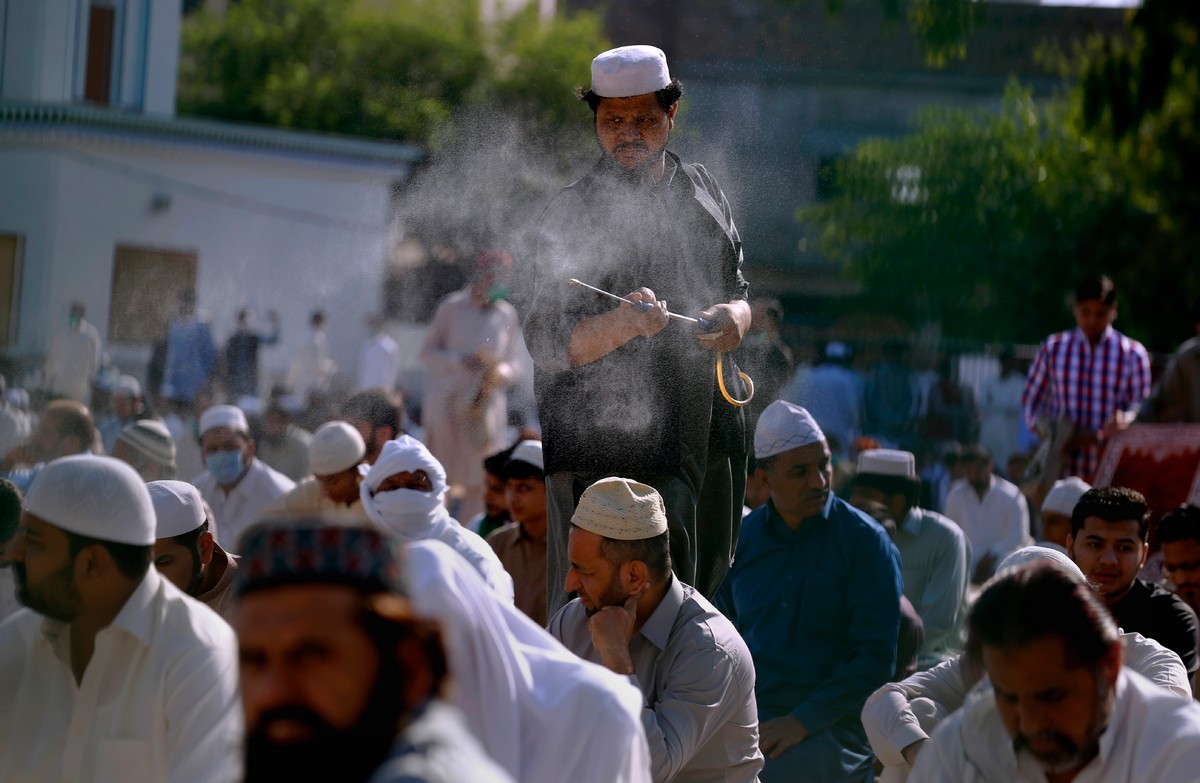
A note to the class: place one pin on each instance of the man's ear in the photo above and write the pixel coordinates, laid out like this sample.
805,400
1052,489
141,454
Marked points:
1071,545
765,477
636,575
251,449
205,544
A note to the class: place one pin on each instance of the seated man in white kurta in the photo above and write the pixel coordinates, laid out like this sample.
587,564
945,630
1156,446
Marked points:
111,673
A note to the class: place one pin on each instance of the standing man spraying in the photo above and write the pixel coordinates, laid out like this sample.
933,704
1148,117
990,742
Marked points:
621,391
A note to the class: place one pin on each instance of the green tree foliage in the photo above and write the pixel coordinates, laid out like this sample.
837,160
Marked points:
398,70
982,221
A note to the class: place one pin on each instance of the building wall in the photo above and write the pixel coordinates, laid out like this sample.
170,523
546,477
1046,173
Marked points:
270,232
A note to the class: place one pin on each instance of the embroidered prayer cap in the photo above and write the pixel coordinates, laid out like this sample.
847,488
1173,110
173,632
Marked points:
621,509
1063,496
783,427
178,507
224,416
887,462
1040,554
629,70
152,440
93,496
529,452
311,550
128,386
336,446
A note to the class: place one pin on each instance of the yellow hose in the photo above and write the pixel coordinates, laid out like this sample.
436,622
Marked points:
725,392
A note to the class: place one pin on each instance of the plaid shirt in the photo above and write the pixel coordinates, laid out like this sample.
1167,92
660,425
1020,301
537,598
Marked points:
1086,384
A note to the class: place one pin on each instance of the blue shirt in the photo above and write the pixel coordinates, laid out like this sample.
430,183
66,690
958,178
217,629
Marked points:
819,608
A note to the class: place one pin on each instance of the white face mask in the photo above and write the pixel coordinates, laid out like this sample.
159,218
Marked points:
407,512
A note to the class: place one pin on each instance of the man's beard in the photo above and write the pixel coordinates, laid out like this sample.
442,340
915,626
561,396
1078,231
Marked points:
1070,755
351,755
197,579
56,598
610,597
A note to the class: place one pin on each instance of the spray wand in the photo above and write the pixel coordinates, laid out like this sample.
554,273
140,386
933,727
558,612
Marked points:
706,331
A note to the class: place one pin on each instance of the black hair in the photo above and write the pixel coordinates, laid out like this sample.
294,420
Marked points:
10,510
73,420
1097,288
1180,524
1041,600
377,406
976,452
1196,311
132,560
520,469
1112,504
191,539
654,552
388,633
494,464
667,97
892,485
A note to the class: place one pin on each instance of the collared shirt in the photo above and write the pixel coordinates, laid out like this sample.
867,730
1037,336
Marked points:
221,598
901,713
697,678
1159,615
157,702
934,554
996,524
237,509
524,557
1088,385
290,455
1151,736
819,608
437,747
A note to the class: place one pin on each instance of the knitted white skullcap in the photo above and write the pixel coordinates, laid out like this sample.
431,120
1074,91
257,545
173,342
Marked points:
621,509
98,497
629,70
1040,554
783,427
529,452
178,507
887,462
1063,496
152,440
223,416
335,446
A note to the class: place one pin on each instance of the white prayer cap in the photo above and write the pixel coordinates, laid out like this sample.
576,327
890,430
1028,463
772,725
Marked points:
129,386
629,70
621,509
783,427
529,452
335,446
1063,496
223,416
98,497
1040,554
887,462
178,507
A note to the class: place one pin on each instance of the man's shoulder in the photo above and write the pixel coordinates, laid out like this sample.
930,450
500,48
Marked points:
700,624
940,526
188,623
1165,601
266,476
1007,489
504,537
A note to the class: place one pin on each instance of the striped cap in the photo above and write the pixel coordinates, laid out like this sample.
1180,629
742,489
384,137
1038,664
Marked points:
152,440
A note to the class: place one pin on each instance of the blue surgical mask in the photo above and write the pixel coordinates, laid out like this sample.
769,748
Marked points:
225,466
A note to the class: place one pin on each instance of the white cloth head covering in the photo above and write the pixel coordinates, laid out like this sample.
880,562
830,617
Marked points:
887,462
629,70
129,386
178,507
783,427
98,497
529,452
525,696
152,440
1040,554
406,512
223,416
621,509
336,446
1063,496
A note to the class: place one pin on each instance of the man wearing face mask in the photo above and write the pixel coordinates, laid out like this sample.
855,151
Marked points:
404,495
236,484
469,352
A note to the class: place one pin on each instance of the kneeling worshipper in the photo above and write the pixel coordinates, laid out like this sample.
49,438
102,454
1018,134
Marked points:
111,673
404,494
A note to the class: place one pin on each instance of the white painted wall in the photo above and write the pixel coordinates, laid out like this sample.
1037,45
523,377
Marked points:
74,202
